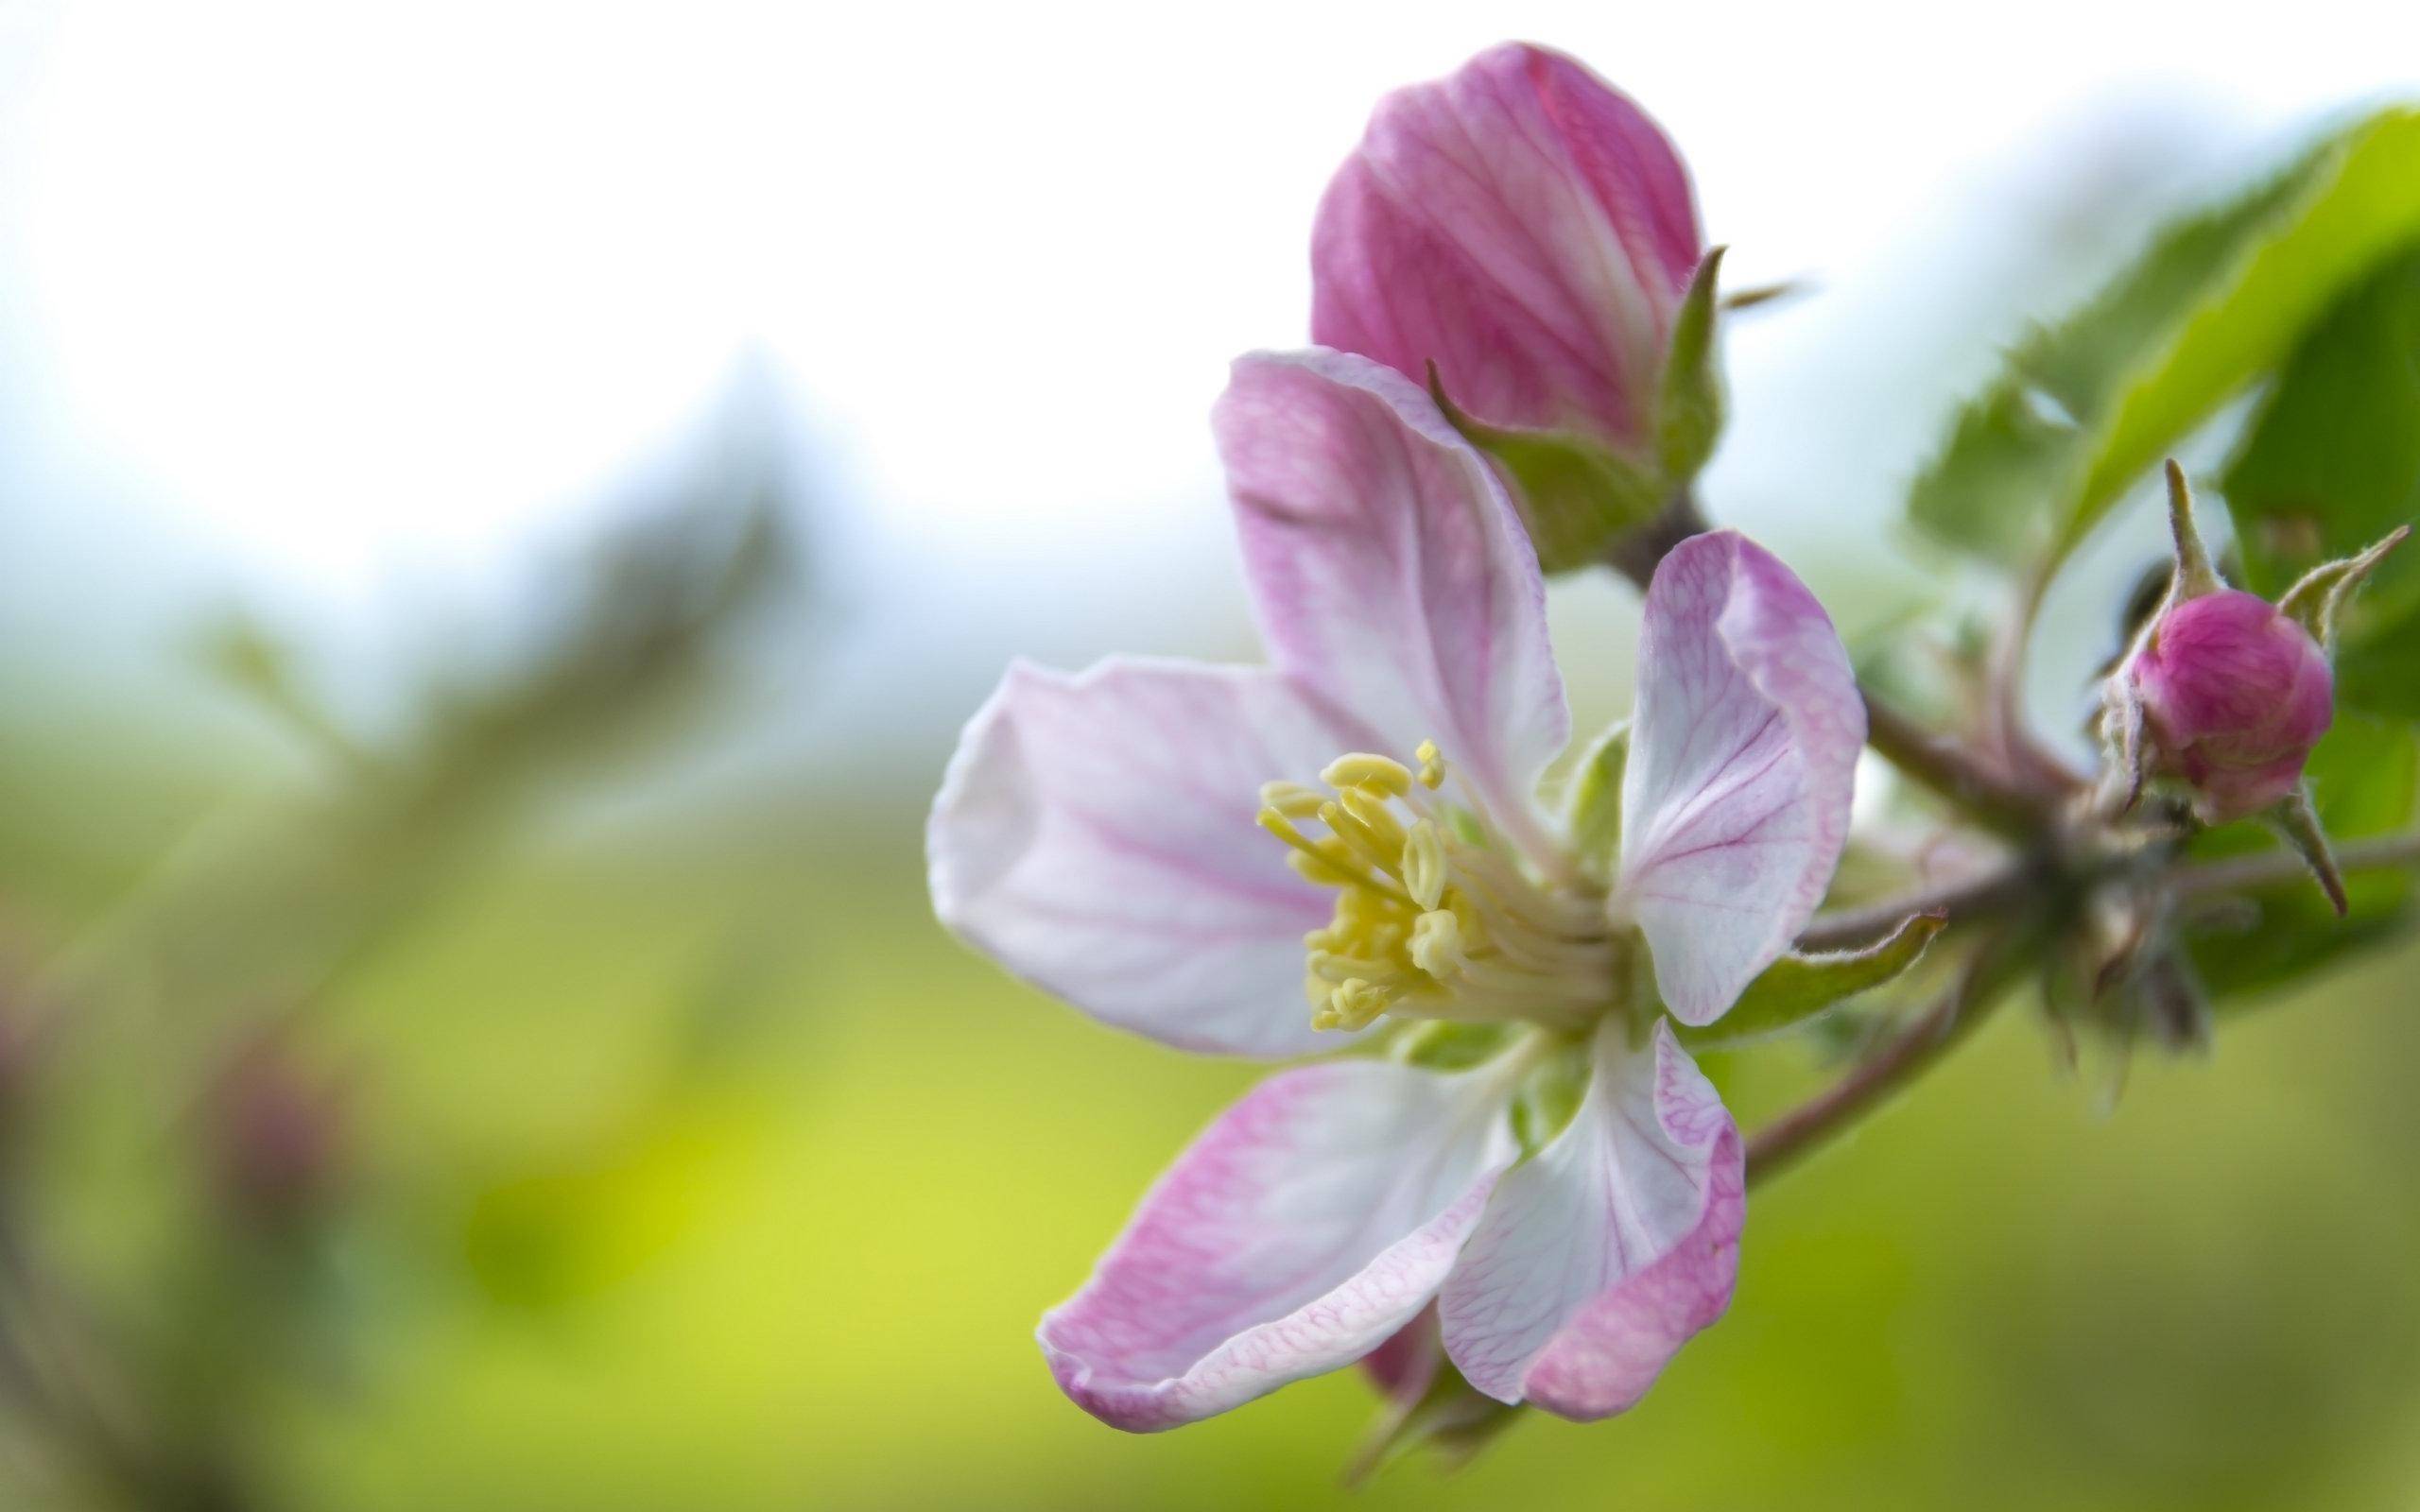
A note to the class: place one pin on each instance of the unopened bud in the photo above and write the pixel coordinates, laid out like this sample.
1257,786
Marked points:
1523,238
2234,696
275,1130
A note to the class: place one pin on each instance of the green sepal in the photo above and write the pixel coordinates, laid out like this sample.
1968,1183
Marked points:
1550,1095
2317,600
1592,804
1440,1044
2298,822
1452,1417
1797,988
1689,392
1577,495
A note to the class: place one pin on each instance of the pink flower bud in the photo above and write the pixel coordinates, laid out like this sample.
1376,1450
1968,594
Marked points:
2235,695
1523,227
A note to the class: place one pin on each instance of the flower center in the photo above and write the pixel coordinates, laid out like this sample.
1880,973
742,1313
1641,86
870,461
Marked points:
1435,916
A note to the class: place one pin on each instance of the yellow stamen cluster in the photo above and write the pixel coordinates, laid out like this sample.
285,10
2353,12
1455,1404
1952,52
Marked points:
1434,917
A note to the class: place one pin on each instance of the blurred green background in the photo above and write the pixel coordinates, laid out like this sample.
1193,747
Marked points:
486,594
680,1160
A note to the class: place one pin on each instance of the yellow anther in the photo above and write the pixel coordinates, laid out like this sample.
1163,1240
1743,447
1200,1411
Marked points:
1437,943
1292,799
1432,765
1354,1005
1327,862
1423,864
1330,967
1371,809
1366,844
1360,769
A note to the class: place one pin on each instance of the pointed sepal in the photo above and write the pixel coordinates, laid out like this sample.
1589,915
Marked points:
1451,1419
1688,395
2127,760
1592,805
1796,989
2298,821
2317,600
1577,495
2194,574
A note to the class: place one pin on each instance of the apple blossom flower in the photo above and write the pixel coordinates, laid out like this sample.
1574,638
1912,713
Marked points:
1189,851
1524,226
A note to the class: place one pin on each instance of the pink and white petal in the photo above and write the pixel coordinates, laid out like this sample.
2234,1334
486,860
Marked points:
1602,1255
1389,567
1523,225
1300,1232
1094,834
1743,746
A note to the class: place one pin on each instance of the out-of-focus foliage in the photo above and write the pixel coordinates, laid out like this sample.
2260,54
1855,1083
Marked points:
186,1176
2084,406
2332,465
2365,779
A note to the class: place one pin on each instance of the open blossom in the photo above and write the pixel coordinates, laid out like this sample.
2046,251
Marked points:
1524,226
2234,694
1190,851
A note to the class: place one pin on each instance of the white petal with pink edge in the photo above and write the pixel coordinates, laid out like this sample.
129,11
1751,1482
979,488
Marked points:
1742,750
1094,834
1605,1252
1297,1234
1390,569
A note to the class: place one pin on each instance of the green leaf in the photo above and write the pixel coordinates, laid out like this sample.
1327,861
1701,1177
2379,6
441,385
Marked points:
2081,408
1688,398
2366,778
1592,805
1796,988
1577,495
2331,465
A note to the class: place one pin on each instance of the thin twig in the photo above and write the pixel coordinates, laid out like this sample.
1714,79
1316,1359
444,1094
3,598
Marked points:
1956,1015
2273,867
1848,928
1997,801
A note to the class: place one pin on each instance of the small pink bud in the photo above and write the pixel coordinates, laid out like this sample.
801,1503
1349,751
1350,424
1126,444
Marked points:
275,1131
2234,694
1523,227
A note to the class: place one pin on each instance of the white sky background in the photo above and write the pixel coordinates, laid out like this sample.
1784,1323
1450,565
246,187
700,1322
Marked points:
353,309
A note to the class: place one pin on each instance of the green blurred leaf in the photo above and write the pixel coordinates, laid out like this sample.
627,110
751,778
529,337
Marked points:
1796,988
2331,465
2365,776
2081,408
